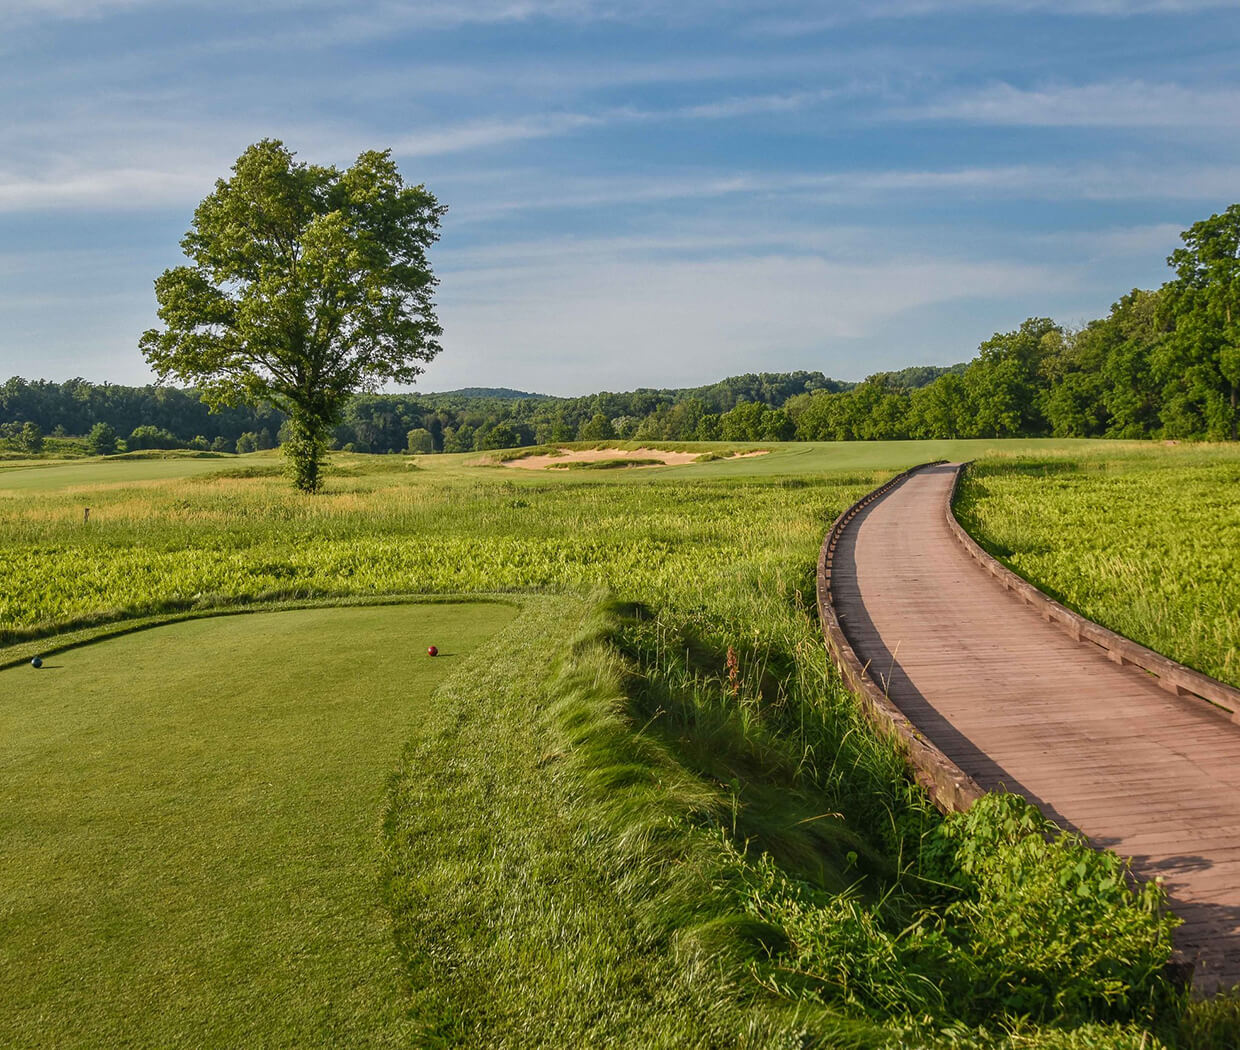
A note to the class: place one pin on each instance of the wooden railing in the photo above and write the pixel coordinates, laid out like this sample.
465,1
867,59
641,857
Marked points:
1175,678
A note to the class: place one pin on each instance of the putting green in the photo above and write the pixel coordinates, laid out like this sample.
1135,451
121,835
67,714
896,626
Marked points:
189,826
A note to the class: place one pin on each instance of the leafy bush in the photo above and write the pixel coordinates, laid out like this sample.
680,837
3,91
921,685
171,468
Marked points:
1054,927
152,437
101,440
25,437
1044,927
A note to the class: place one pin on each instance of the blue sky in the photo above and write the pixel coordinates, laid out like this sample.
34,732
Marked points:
640,193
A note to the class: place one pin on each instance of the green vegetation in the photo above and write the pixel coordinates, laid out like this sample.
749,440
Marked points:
306,284
515,922
657,820
76,407
1147,543
192,841
209,539
99,474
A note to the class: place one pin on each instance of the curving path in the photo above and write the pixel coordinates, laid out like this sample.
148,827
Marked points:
1016,703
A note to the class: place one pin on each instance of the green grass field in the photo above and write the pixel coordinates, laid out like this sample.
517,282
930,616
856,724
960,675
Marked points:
650,820
799,458
192,828
35,475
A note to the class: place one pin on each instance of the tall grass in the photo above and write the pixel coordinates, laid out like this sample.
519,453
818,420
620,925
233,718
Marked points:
1148,546
705,759
219,540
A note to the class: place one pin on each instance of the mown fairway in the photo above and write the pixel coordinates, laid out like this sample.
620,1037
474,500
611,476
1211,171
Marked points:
191,823
40,476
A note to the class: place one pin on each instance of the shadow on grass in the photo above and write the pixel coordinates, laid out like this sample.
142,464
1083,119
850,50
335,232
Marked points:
728,725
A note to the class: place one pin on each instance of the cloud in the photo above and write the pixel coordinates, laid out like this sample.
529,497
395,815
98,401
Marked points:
798,23
1119,103
486,133
1154,241
56,10
423,12
120,189
790,192
485,195
482,134
130,162
592,319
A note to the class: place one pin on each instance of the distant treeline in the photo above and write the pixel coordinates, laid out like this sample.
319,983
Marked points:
1161,364
462,420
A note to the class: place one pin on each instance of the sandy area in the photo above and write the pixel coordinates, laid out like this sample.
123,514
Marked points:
593,455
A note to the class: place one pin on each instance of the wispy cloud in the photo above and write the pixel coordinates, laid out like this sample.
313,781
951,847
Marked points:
1117,103
134,161
799,22
481,134
121,189
1153,241
137,187
858,188
659,319
384,14
53,10
485,133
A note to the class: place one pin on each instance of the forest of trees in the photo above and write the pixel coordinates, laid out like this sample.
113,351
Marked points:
1161,364
458,421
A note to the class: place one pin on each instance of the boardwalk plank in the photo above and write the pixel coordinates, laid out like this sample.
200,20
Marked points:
1015,701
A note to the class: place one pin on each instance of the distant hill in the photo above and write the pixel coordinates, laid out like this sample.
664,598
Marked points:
463,420
916,376
499,393
770,388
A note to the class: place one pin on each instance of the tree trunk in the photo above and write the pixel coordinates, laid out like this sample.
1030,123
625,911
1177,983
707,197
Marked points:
305,452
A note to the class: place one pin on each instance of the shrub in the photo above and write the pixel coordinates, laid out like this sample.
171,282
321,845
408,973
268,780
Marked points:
152,437
420,442
30,438
1044,927
1056,926
101,440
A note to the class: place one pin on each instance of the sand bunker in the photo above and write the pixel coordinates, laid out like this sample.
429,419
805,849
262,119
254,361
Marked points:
566,456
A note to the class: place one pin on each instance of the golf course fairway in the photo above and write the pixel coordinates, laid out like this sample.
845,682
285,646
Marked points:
191,827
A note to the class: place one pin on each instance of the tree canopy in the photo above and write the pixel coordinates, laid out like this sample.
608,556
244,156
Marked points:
1202,361
307,284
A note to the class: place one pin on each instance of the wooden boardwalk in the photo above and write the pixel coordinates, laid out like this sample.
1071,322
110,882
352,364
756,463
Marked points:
1018,704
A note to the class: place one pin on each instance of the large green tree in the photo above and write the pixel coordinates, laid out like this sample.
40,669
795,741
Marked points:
1201,362
1004,381
307,283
